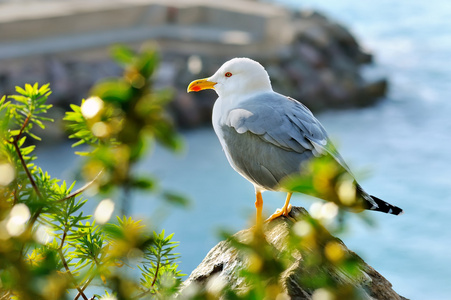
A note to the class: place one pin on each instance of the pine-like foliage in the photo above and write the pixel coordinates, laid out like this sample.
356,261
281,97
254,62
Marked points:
50,247
159,271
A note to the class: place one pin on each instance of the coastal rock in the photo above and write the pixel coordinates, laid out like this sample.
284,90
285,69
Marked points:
223,262
309,56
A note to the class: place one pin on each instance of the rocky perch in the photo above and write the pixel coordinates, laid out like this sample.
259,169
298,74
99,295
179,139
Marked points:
308,56
223,262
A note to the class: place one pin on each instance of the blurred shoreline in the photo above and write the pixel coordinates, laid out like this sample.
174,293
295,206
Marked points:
308,56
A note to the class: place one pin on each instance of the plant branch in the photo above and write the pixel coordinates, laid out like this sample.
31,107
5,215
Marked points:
74,281
80,190
156,272
25,123
30,177
88,282
15,196
139,296
24,165
63,239
34,217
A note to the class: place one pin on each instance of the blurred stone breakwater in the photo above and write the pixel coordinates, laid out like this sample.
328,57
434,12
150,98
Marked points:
308,56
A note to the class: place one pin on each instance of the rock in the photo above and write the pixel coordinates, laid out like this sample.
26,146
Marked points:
223,261
371,92
309,56
186,111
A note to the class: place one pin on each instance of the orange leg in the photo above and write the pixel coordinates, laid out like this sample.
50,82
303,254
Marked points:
284,211
259,207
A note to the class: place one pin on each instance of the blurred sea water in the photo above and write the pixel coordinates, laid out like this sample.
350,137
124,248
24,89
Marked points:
404,141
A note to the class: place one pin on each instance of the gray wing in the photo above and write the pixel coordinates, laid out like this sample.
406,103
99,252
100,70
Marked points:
260,162
285,123
269,136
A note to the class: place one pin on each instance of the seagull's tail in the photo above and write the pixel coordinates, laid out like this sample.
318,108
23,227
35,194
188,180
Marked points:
383,206
376,204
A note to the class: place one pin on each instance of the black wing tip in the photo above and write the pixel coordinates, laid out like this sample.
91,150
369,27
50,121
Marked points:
386,207
396,211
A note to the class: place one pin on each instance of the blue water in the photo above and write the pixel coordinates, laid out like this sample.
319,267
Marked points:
404,141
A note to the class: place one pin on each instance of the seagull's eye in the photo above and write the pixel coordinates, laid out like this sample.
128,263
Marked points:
228,74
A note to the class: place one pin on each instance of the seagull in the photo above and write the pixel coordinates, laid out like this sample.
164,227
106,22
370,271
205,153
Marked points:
267,136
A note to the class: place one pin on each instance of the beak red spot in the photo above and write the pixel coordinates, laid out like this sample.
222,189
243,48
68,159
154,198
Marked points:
196,88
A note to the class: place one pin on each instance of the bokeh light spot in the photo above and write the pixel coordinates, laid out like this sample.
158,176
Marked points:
43,234
91,107
7,174
347,192
216,284
100,129
302,228
104,211
194,64
322,294
334,251
329,210
18,216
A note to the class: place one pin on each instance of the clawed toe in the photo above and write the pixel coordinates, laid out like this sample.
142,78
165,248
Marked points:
279,212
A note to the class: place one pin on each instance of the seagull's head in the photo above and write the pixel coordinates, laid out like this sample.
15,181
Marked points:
238,76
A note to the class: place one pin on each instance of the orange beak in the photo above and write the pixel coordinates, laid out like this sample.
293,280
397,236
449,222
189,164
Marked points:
200,84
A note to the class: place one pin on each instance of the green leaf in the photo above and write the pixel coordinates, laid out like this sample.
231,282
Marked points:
20,90
113,90
122,54
143,183
176,198
28,89
34,136
44,89
14,132
147,62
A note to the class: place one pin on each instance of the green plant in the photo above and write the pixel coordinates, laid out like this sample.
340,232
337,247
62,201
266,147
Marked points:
120,121
49,245
159,272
